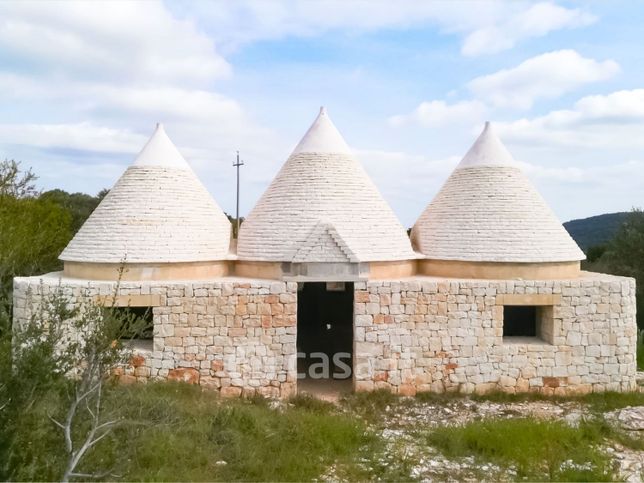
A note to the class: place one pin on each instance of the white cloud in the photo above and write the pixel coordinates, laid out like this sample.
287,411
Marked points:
86,81
487,26
437,113
126,41
547,75
79,136
83,84
536,21
612,121
586,159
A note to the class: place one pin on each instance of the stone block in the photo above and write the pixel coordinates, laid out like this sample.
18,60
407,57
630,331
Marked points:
188,375
231,391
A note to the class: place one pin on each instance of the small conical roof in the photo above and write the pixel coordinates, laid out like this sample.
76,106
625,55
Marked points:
322,207
157,212
488,211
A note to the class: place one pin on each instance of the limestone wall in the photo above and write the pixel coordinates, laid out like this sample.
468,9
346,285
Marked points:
428,334
238,336
233,335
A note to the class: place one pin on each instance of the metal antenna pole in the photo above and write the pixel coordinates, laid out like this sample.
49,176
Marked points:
237,165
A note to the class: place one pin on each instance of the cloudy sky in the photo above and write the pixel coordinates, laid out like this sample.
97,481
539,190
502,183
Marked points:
408,83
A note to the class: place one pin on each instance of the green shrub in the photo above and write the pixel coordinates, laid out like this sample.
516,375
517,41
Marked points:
538,450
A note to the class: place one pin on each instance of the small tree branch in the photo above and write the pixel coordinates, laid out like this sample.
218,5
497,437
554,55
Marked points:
60,425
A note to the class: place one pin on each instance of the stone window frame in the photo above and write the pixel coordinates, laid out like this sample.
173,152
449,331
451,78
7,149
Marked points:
547,325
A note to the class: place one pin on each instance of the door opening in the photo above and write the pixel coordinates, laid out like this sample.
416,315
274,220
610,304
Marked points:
325,335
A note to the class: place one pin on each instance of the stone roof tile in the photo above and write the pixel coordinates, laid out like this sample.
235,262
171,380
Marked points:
488,210
158,211
321,182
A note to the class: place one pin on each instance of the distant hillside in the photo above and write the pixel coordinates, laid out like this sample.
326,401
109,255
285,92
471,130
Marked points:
595,230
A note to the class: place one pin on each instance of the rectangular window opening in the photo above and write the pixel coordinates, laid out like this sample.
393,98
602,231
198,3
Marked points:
528,323
137,326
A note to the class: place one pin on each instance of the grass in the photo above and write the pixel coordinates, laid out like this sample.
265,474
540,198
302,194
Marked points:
598,402
370,405
177,432
188,434
537,450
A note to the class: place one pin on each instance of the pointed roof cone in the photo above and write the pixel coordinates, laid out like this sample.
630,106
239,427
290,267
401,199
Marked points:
160,151
487,150
322,207
157,212
488,211
322,137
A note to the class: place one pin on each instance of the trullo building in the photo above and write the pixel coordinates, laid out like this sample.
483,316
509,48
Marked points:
325,287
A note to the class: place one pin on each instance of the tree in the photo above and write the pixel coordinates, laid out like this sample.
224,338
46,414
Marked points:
52,386
79,205
14,182
625,255
33,234
595,252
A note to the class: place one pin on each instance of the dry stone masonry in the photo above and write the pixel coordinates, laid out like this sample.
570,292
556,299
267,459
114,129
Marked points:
419,334
438,335
234,336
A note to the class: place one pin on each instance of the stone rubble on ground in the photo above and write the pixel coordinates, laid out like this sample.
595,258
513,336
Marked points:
402,422
630,418
628,463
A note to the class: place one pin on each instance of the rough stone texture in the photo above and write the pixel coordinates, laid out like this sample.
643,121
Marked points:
492,214
325,243
429,334
153,214
236,336
630,418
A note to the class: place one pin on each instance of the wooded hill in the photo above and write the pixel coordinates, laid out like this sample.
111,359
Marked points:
595,230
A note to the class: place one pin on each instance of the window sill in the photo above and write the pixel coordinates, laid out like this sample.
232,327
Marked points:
139,346
522,340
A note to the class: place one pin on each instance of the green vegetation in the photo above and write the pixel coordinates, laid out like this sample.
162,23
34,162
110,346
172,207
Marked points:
159,431
538,450
78,205
625,256
170,431
33,234
36,227
370,404
595,230
598,402
191,435
640,350
41,405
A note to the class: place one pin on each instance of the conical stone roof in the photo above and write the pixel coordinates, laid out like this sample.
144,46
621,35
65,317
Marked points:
157,212
322,207
488,211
